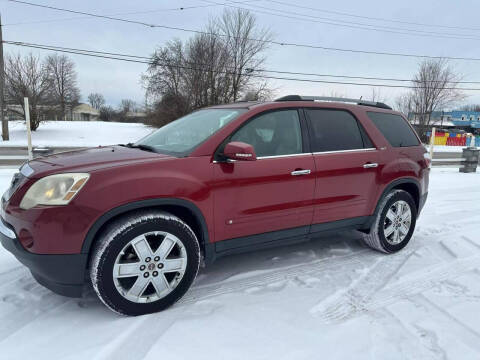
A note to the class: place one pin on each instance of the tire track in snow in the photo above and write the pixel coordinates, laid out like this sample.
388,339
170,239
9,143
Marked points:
354,298
445,322
280,274
354,302
362,295
318,267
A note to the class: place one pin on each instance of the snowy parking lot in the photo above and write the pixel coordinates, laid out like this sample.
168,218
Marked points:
332,298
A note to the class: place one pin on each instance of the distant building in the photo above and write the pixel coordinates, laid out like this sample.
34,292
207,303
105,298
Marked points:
136,114
457,119
84,112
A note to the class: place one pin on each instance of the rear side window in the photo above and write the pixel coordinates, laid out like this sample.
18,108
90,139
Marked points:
394,128
335,130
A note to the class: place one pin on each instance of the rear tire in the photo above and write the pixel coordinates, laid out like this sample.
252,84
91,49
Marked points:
394,223
144,262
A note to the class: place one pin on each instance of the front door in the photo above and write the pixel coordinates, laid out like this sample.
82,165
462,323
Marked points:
347,166
275,191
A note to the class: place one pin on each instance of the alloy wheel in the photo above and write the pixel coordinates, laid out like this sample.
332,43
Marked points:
398,221
150,267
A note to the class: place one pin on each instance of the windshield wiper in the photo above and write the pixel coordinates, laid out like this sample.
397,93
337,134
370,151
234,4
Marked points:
141,147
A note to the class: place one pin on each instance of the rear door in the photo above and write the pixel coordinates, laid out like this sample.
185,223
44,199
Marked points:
273,193
347,165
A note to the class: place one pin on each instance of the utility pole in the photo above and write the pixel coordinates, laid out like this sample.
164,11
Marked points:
5,135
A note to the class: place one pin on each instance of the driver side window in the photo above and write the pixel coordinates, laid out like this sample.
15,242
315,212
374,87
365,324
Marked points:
273,133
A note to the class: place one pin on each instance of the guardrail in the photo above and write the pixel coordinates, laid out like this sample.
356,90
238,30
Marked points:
11,161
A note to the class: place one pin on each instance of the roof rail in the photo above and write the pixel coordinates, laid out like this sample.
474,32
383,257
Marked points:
336,99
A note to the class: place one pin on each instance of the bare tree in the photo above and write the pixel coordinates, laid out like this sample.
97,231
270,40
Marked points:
214,67
405,104
166,73
434,86
128,105
471,107
27,77
62,77
107,113
96,100
245,43
261,92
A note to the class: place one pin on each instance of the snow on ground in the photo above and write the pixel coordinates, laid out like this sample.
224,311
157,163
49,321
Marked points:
332,299
76,133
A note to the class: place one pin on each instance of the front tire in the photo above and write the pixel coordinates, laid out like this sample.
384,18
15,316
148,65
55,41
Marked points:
394,223
144,262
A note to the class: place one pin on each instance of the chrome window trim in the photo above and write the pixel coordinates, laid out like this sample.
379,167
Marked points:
282,156
343,151
308,153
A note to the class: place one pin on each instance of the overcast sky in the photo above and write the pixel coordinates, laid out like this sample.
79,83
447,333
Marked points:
118,80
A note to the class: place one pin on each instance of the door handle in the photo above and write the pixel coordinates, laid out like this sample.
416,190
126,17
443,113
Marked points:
300,172
370,165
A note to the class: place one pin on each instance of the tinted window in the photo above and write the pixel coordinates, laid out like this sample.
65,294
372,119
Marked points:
273,133
394,128
334,130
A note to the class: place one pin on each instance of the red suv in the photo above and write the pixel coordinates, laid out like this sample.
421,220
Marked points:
137,219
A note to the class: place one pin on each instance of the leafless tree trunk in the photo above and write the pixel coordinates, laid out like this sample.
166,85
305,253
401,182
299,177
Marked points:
63,82
27,77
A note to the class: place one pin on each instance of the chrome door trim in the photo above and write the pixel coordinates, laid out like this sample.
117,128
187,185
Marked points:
343,151
307,153
282,156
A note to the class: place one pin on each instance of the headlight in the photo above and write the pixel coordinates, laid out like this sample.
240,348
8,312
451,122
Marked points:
57,189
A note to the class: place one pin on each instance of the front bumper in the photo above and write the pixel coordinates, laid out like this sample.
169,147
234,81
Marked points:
63,274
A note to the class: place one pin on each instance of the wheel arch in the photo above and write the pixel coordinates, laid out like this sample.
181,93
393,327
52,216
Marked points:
183,209
410,185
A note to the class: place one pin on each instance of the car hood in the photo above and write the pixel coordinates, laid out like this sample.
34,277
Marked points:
89,160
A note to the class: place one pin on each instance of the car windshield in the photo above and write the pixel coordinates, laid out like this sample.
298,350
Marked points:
183,135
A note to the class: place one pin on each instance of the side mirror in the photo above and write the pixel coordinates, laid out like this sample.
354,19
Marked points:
241,151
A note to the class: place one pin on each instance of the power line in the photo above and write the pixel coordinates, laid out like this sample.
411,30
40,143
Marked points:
273,42
182,8
373,18
149,61
348,24
87,53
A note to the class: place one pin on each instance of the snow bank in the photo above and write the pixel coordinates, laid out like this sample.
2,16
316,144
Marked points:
76,133
331,299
